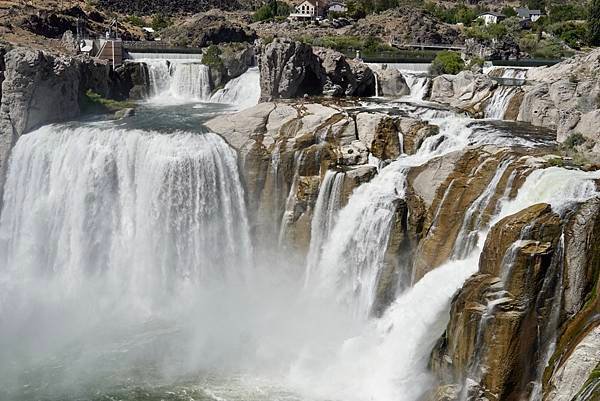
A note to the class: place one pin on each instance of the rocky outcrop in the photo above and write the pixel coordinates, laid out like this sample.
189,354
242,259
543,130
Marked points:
41,88
506,317
564,97
292,69
286,148
406,25
505,48
466,91
228,61
392,83
130,81
206,29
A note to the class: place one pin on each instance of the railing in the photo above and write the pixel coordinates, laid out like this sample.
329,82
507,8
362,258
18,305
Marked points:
157,47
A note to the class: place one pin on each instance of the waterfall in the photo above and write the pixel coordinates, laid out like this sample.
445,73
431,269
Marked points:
153,210
467,237
497,105
243,91
324,216
418,84
190,81
178,80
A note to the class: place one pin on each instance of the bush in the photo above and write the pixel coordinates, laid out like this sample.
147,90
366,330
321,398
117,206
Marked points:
135,20
594,22
572,33
566,12
574,140
160,22
93,103
447,62
211,57
272,10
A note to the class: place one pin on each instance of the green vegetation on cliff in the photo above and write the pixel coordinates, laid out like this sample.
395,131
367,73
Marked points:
93,103
447,62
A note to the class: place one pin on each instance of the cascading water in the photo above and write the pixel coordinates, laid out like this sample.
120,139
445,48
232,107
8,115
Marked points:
418,84
497,105
243,91
170,200
324,217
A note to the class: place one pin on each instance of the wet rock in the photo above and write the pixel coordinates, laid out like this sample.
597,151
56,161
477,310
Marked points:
132,81
124,113
291,69
511,308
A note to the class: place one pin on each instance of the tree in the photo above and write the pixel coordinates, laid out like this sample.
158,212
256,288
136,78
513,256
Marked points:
509,12
447,62
594,22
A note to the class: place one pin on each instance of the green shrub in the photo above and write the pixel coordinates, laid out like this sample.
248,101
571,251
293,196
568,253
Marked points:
160,22
594,22
211,57
278,10
447,62
135,20
509,12
93,103
574,140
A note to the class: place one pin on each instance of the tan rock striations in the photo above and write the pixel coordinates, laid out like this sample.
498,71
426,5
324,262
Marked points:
286,148
506,317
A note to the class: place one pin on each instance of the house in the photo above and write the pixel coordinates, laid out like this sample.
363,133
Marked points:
491,17
533,15
337,7
309,9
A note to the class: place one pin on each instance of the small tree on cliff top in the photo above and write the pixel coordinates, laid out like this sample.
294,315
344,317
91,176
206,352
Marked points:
594,22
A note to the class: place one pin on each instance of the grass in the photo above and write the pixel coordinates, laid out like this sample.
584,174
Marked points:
93,103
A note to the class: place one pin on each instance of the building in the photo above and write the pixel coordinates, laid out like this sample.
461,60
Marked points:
533,15
491,17
337,7
309,9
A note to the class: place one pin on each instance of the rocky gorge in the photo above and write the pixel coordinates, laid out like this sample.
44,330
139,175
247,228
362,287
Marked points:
458,252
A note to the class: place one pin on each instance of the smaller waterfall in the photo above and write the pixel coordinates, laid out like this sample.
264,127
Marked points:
243,91
497,105
472,222
190,81
326,208
418,84
178,80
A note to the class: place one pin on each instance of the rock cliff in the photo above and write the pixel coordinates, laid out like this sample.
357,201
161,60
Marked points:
40,88
291,69
506,317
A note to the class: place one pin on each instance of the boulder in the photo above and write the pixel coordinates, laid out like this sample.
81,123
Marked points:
293,69
131,81
392,83
466,91
289,69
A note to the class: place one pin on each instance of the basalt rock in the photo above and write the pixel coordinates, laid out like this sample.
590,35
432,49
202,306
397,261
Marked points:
206,29
392,83
466,91
132,81
291,69
564,97
534,272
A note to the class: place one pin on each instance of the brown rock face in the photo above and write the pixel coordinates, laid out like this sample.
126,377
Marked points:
504,319
462,204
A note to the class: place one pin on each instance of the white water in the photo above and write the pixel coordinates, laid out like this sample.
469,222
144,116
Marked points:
143,207
178,81
117,221
324,217
497,105
242,92
418,84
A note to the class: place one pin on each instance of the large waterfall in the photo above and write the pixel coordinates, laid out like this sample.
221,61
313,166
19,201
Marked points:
127,256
